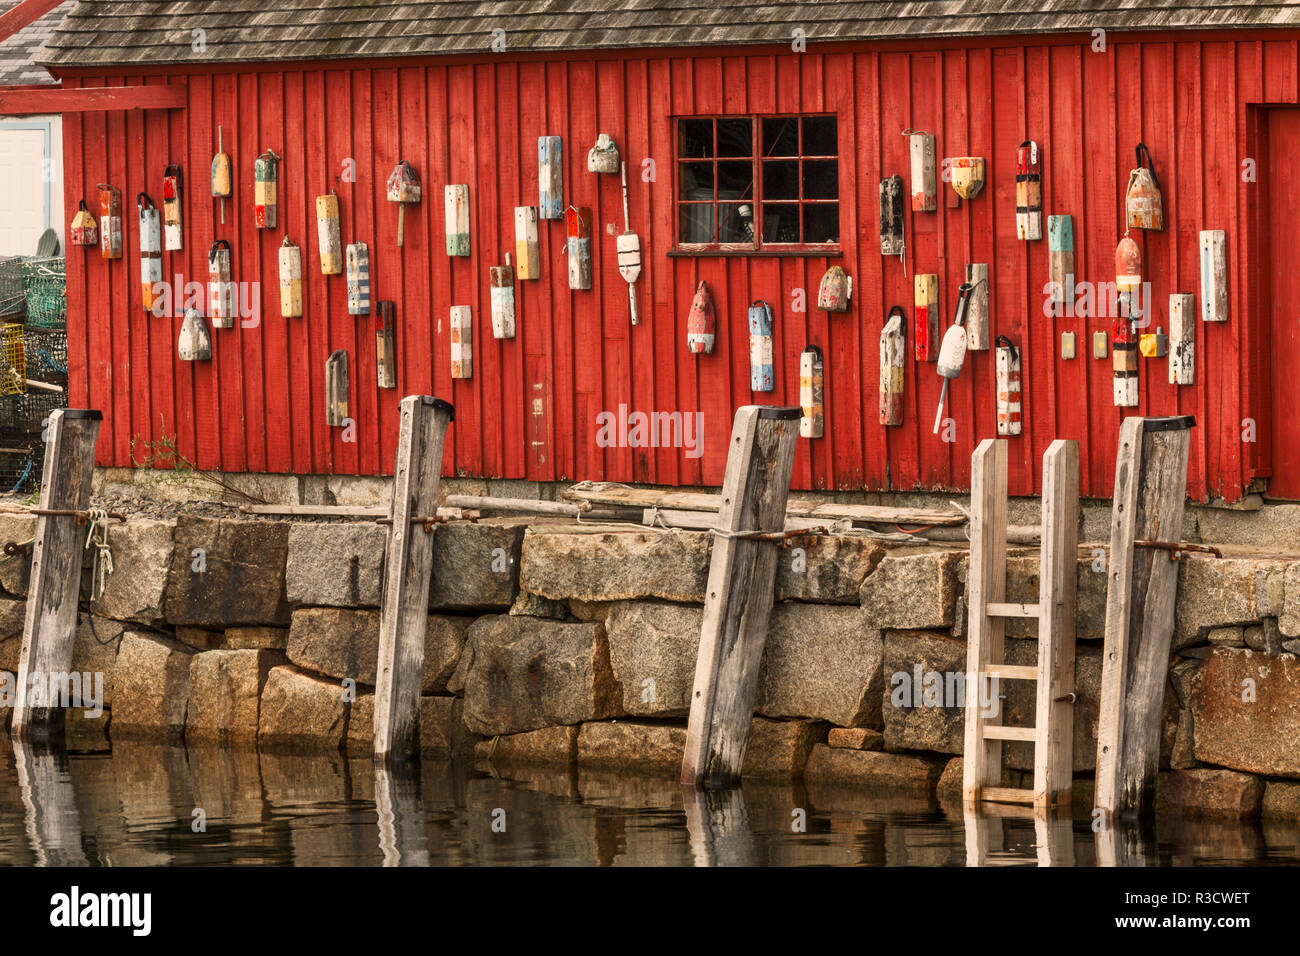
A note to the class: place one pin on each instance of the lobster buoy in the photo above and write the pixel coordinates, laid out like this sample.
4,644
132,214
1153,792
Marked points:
84,230
1128,271
892,353
891,217
110,222
1060,260
579,247
194,343
1006,373
266,177
925,329
527,254
358,278
1182,335
1143,204
150,250
550,178
835,290
462,342
221,291
173,184
404,189
1029,192
385,346
603,157
328,235
455,206
811,393
925,198
1214,275
761,375
502,282
701,323
290,280
967,175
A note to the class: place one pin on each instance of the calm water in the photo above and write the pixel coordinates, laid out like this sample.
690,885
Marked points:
135,807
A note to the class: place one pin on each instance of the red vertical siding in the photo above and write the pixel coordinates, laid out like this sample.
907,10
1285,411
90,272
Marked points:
529,411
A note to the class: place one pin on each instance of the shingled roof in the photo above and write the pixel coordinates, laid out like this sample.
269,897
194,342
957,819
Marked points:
112,32
18,53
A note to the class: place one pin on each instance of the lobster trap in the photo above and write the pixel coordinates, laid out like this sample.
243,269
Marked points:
13,361
45,351
13,301
45,284
22,457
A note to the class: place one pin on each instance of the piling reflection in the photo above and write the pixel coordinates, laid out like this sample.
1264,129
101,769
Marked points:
158,805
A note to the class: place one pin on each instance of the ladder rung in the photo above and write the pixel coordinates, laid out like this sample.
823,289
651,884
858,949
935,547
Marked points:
1013,671
1006,795
1002,609
998,732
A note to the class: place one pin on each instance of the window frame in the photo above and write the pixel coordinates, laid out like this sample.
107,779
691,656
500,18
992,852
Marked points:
758,247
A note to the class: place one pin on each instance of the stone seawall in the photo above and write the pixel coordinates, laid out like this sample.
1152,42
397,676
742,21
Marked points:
566,645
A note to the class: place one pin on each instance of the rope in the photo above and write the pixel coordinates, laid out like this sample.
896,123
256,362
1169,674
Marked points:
97,520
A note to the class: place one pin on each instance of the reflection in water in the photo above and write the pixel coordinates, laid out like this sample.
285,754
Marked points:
136,806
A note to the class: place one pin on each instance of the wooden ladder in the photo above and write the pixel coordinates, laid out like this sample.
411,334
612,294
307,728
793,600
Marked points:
1052,733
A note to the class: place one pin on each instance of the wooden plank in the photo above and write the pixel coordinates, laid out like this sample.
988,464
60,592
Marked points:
1010,733
50,622
1012,671
1058,574
53,823
408,556
1007,794
1003,609
704,519
741,585
30,102
982,763
1151,473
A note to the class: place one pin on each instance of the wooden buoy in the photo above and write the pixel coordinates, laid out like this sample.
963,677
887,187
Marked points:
527,253
1182,338
967,175
110,222
194,344
1214,275
835,290
221,291
977,307
266,177
173,186
892,240
290,280
628,246
385,345
1142,202
925,329
550,178
502,282
579,247
221,183
403,189
1029,192
358,278
891,367
150,250
336,389
84,230
329,235
952,352
456,213
762,378
1007,379
925,197
812,384
1060,260
701,323
1124,363
603,157
462,342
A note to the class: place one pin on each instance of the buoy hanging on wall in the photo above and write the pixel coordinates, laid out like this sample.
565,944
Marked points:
404,189
701,323
150,249
891,367
526,250
925,329
1060,260
328,234
220,178
924,194
502,282
835,290
358,278
1182,339
336,389
761,375
892,239
811,393
84,230
1029,192
1007,381
1128,277
579,247
603,157
385,345
290,280
194,343
1124,363
1142,201
110,222
967,175
173,185
1214,275
550,178
266,179
456,212
977,307
221,291
462,342
1154,344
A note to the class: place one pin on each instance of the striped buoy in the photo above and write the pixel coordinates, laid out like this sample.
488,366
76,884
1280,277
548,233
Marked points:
221,291
150,250
811,393
1007,377
701,323
462,342
762,378
290,280
358,277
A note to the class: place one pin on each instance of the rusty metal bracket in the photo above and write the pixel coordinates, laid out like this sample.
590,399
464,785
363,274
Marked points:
784,538
81,516
1177,549
1066,698
14,547
428,521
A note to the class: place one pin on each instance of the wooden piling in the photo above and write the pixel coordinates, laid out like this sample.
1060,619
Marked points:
408,564
55,584
738,603
1150,489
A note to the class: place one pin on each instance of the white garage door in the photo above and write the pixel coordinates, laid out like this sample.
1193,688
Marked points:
24,192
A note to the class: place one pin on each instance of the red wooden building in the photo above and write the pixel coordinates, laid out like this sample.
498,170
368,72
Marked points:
756,136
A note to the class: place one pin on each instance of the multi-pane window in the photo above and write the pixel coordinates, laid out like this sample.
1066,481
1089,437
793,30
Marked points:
753,182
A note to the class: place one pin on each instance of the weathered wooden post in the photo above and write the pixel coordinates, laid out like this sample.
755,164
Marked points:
1146,519
55,585
738,602
408,556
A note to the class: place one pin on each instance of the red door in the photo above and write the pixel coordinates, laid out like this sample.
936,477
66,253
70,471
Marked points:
1280,211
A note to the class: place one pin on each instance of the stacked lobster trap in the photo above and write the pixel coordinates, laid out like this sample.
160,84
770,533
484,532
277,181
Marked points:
33,363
